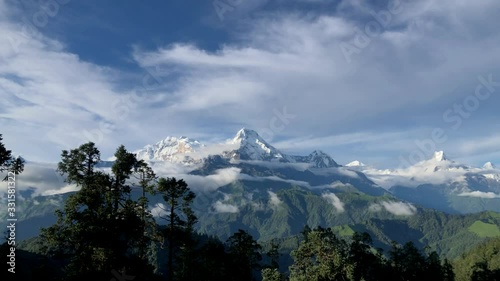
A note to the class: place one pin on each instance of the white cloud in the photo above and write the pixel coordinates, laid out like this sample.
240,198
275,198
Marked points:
159,210
337,140
212,182
51,94
275,165
42,178
291,54
480,144
273,178
339,184
427,171
375,207
213,149
222,207
335,201
65,189
396,208
274,200
343,171
480,194
287,59
224,176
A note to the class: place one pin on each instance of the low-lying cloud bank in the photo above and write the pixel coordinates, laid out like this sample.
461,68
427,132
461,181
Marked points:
396,208
42,179
335,201
480,194
159,210
275,165
200,183
221,207
274,200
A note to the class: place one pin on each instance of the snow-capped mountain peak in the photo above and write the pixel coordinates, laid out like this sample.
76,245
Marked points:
320,159
170,149
254,147
489,166
439,156
355,163
245,135
438,162
245,145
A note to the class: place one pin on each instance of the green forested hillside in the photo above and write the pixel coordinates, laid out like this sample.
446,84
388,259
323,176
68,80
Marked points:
488,254
108,224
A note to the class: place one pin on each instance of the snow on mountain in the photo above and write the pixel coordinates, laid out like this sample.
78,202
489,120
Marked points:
439,156
246,145
491,172
355,163
438,170
317,159
438,162
489,166
252,147
171,149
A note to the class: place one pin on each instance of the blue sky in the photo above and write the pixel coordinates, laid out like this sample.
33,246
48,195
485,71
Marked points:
384,82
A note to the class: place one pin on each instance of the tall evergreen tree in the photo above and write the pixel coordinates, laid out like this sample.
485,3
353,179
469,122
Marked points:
100,227
180,219
366,264
322,256
244,254
213,261
482,272
147,181
271,274
448,274
274,254
9,163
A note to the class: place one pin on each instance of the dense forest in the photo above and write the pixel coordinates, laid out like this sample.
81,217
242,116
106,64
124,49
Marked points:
104,234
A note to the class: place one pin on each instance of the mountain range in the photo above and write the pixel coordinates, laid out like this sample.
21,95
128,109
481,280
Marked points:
246,145
247,183
438,182
442,184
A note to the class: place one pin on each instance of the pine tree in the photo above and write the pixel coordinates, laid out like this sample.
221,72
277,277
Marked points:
213,261
366,265
180,218
271,274
9,163
100,228
482,272
274,254
244,253
147,180
322,256
448,274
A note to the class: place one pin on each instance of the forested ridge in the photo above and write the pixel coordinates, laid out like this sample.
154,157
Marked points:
102,233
